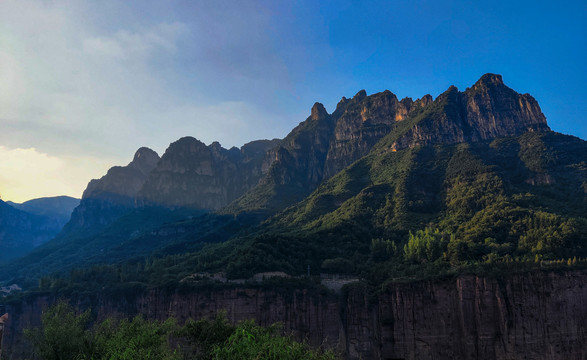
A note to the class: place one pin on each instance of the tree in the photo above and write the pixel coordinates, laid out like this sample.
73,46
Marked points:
205,334
382,250
250,341
426,245
63,334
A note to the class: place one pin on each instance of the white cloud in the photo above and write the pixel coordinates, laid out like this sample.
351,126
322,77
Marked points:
58,75
27,173
129,45
74,85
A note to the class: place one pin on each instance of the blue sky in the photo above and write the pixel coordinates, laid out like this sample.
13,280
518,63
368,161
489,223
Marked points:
85,83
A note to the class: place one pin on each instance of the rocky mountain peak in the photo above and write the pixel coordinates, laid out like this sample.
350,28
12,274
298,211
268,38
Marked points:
407,102
144,153
490,79
318,112
425,100
195,176
145,160
111,196
360,95
340,107
487,110
187,143
217,148
451,90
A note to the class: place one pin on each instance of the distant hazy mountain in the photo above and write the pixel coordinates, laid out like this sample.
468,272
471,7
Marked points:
58,208
30,224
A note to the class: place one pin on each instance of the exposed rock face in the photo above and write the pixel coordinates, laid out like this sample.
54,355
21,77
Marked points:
535,316
301,155
322,145
267,176
325,143
487,110
363,122
111,196
193,175
292,169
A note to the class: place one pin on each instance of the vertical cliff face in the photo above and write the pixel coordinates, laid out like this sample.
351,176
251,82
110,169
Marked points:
300,158
267,176
190,174
487,110
541,315
363,121
325,143
495,110
293,168
533,316
111,196
193,175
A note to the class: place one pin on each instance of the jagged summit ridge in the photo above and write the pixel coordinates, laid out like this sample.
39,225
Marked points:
490,78
193,175
487,110
271,174
108,198
145,160
324,144
318,112
267,176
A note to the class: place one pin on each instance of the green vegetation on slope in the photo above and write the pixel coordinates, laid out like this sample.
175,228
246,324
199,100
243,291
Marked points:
518,198
423,211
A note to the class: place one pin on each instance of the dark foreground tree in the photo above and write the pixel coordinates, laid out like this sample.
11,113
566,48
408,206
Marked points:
67,335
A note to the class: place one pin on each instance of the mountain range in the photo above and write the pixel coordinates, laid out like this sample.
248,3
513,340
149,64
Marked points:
481,165
452,227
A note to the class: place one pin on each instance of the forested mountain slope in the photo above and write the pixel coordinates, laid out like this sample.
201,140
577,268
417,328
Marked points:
474,176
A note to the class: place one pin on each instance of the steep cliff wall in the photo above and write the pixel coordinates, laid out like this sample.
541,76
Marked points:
540,315
113,195
531,316
487,110
364,120
193,175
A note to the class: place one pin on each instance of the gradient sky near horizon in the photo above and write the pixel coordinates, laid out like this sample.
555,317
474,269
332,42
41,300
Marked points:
83,84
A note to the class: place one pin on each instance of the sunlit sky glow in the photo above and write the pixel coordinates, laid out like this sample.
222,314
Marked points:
83,84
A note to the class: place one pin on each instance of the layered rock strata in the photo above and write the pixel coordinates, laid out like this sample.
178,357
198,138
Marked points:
539,315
